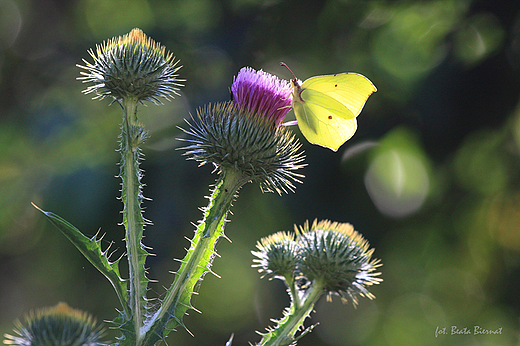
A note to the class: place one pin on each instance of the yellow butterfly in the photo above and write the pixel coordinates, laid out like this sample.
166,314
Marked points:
326,107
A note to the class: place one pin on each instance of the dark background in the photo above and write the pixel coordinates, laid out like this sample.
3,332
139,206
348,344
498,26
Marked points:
431,177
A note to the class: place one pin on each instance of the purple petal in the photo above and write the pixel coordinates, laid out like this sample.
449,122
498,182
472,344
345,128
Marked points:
262,93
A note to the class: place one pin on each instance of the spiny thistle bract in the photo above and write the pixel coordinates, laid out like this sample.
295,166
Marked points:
56,326
245,134
132,66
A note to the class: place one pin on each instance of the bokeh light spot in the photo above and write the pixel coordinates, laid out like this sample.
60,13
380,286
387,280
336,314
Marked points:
412,42
397,179
479,36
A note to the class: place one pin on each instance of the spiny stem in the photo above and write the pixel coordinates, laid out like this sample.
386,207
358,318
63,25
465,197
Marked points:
215,215
132,217
284,333
200,255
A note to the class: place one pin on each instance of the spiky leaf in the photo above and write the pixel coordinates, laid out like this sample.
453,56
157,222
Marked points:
91,249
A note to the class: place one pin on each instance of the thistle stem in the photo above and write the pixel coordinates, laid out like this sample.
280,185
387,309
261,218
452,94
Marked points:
284,333
132,217
200,256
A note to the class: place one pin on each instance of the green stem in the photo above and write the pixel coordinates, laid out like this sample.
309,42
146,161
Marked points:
131,138
199,258
293,291
288,326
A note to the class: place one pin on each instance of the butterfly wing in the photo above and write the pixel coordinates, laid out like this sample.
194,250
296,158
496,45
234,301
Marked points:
350,89
327,107
323,120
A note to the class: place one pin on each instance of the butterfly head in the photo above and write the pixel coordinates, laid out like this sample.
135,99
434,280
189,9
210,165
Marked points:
296,84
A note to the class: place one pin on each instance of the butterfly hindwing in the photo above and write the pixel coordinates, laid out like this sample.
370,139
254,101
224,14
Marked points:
322,123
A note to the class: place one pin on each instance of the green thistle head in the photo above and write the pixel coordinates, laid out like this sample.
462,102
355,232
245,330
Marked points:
56,326
327,254
339,258
277,256
132,66
245,134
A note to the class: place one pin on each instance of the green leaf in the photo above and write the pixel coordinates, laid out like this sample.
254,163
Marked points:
91,249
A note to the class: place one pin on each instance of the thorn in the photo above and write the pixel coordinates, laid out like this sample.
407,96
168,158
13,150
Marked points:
113,252
226,237
188,239
196,310
96,235
34,205
230,340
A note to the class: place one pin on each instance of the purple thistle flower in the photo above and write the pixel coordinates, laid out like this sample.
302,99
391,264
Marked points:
259,92
244,135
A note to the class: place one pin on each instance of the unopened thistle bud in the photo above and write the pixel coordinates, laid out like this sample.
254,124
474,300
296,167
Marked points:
277,256
56,326
132,66
337,257
245,134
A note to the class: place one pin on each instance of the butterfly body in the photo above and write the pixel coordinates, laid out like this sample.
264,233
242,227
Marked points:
326,106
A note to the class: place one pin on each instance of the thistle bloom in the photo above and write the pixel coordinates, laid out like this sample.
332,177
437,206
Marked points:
336,256
262,93
56,326
132,66
244,134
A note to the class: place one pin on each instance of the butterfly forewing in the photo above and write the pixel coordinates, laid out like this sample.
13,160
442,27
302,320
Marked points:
350,89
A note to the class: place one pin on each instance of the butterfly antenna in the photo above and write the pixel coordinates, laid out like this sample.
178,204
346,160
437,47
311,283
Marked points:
284,64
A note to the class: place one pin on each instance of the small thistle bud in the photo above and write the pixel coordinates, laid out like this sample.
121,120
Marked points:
56,326
244,134
132,66
338,257
277,256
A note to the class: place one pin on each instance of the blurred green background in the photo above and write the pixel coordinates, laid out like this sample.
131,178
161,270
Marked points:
431,177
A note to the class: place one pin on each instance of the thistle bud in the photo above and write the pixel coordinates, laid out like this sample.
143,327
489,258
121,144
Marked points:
131,66
277,256
56,326
337,257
